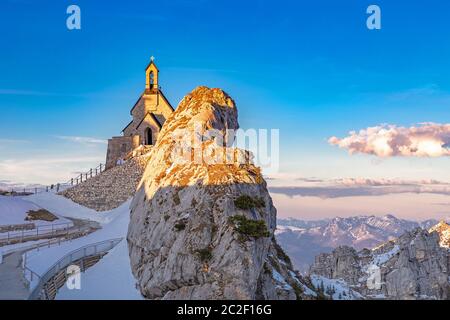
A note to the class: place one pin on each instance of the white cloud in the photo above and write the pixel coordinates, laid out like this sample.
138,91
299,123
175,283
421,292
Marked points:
357,187
402,205
327,192
83,140
425,140
46,170
386,182
11,141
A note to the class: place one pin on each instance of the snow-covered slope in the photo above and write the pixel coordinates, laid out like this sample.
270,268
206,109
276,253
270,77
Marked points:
65,207
336,289
40,260
111,278
303,240
13,210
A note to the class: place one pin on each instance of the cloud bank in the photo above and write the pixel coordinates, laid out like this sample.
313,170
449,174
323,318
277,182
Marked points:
83,140
386,182
425,140
357,187
345,191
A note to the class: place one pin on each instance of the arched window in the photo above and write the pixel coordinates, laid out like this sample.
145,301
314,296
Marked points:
151,79
148,136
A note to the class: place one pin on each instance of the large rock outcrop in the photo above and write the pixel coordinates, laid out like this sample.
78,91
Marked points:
413,266
443,230
204,229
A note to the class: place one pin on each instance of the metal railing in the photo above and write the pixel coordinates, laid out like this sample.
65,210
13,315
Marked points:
18,191
50,230
64,262
87,175
49,243
55,188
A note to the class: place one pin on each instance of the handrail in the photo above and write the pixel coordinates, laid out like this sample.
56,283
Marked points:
47,243
39,230
89,174
84,176
58,266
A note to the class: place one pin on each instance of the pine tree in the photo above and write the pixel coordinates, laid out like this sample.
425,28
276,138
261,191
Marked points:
321,287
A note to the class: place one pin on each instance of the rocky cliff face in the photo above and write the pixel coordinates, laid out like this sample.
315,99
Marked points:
413,266
443,230
303,240
204,229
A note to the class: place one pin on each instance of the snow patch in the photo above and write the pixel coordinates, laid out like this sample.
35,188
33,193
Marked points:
336,288
13,210
380,259
280,279
65,207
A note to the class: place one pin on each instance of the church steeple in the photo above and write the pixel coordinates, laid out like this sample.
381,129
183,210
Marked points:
151,76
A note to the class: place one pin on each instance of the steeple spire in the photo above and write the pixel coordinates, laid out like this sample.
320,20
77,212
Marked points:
151,76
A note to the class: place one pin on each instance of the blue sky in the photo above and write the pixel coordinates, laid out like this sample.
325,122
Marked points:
309,68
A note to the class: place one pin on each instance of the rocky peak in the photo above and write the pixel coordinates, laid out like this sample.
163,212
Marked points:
443,230
341,263
204,229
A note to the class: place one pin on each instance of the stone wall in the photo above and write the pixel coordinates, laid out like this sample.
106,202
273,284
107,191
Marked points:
154,103
119,147
111,188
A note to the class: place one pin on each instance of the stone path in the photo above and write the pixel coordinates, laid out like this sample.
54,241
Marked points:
12,283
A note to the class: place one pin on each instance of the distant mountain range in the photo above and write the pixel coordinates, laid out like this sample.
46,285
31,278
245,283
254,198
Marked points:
303,240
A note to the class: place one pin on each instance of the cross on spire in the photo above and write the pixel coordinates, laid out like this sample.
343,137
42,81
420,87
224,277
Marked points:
152,58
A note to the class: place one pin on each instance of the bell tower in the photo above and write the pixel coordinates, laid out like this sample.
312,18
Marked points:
151,76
